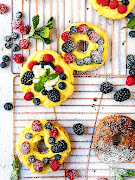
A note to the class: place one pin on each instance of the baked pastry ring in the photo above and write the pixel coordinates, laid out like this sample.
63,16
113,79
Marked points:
35,157
114,139
113,14
83,41
54,91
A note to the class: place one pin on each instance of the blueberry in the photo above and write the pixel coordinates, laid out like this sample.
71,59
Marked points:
8,45
130,15
7,38
51,140
48,125
8,106
28,136
62,85
5,58
46,160
31,159
36,101
42,63
14,35
89,32
19,14
100,49
73,29
125,2
57,157
51,64
63,76
79,62
131,57
44,92
15,47
87,60
132,34
3,64
100,41
132,72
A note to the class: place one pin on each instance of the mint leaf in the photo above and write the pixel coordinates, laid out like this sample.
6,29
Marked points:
35,21
47,40
16,166
49,23
124,172
36,36
38,86
119,177
44,32
131,23
52,76
47,72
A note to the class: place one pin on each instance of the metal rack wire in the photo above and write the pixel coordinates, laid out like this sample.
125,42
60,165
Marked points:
87,104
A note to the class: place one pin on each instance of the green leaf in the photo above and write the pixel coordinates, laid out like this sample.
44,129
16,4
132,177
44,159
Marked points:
49,23
38,86
124,172
52,76
131,23
44,32
47,40
119,177
36,36
35,21
47,72
16,166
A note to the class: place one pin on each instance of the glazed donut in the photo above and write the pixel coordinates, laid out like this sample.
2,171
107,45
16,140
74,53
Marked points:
41,159
115,11
114,139
48,92
84,46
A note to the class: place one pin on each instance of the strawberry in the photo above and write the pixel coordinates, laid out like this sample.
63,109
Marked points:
58,69
3,8
18,58
24,29
113,4
53,132
54,164
31,64
66,36
83,29
130,80
36,126
24,43
16,23
71,174
48,58
28,96
69,58
122,9
103,2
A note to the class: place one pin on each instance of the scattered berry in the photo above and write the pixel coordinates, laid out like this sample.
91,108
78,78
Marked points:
16,23
38,166
3,64
79,62
51,140
100,42
19,14
28,96
3,8
25,148
130,64
24,43
113,4
31,159
63,76
68,47
58,69
14,35
60,146
44,92
103,2
18,58
83,29
122,95
87,60
106,87
53,132
5,58
94,37
130,15
71,174
48,125
74,29
36,126
54,95
15,47
131,58
66,36
57,157
89,32
69,58
78,129
100,49
8,45
7,38
8,106
130,80
54,165
36,101
125,2
132,72
132,34
24,29
48,58
26,77
62,85
46,160
28,136
122,9
31,64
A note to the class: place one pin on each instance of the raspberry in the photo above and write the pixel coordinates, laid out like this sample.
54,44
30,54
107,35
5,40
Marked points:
38,166
48,58
25,148
18,58
130,80
36,126
24,43
54,164
3,8
83,29
113,4
16,23
31,64
24,29
66,36
53,132
94,37
69,58
103,2
28,96
122,9
58,69
71,174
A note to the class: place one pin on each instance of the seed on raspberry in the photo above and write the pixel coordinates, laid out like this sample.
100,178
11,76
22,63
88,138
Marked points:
24,29
130,80
24,43
18,58
83,29
25,148
54,164
69,58
38,166
53,132
16,23
36,126
48,58
103,2
94,37
66,36
71,174
3,8
28,96
122,9
31,64
58,69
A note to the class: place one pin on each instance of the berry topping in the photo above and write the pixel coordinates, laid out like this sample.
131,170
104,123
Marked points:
130,80
130,15
28,136
113,4
66,36
31,159
28,96
54,165
79,62
60,146
16,23
14,35
73,29
58,69
71,174
97,57
24,43
63,76
78,129
87,60
3,8
51,140
132,72
7,38
53,132
5,58
18,14
62,85
15,47
18,58
69,58
125,2
54,95
100,49
38,166
46,160
8,106
57,157
44,92
132,34
27,78
48,58
100,42
122,95
36,126
89,32
3,64
36,101
31,64
94,37
48,125
68,47
103,2
8,45
106,87
25,148
24,29
83,29
122,9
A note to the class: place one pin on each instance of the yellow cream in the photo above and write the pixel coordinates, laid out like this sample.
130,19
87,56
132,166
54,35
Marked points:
111,13
76,38
36,137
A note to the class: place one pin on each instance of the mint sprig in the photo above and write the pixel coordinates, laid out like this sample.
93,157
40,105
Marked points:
120,173
42,33
131,23
16,169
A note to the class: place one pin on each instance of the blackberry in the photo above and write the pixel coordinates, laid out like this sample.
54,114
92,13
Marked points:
14,35
28,136
130,15
54,95
3,64
46,160
100,42
51,64
15,47
31,159
51,140
79,62
130,57
42,63
129,64
87,60
19,14
57,157
78,129
106,87
100,49
125,2
132,72
58,147
44,92
7,38
27,78
122,95
8,106
89,32
62,85
97,57
132,34
68,47
48,125
74,29
63,76
5,58
36,101
8,45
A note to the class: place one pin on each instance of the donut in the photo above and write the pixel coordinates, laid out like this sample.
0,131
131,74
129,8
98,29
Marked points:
114,139
38,158
46,79
84,46
113,9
